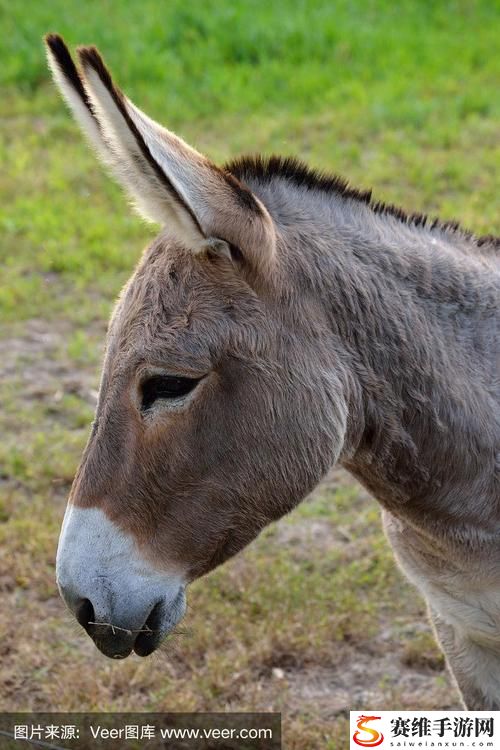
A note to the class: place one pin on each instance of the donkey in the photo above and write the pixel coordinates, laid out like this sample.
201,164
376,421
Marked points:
281,322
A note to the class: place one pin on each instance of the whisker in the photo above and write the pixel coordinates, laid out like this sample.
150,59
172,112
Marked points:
188,632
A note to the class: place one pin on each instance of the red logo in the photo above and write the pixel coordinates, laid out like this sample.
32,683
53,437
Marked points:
376,738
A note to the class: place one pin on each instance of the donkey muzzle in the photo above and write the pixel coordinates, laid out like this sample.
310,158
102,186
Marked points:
117,596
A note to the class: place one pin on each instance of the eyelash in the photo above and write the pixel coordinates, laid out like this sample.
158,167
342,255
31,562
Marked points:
165,387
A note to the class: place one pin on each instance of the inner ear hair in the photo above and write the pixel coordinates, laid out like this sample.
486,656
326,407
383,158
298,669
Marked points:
218,247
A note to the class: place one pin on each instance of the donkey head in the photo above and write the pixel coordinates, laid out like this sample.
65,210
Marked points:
216,412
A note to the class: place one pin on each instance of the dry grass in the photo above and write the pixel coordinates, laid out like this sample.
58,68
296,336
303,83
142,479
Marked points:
313,619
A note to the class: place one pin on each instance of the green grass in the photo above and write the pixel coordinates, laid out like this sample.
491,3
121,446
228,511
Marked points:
399,96
402,96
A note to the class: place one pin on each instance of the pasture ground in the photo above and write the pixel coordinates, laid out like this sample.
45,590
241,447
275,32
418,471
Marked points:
312,619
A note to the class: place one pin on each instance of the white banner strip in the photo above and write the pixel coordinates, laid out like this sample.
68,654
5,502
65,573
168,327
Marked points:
424,729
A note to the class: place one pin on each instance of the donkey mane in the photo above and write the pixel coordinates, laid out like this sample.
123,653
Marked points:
266,169
282,321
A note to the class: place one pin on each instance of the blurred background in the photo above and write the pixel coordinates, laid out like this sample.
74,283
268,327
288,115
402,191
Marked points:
313,619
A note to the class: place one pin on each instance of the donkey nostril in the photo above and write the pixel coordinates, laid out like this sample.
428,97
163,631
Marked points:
154,618
85,613
147,640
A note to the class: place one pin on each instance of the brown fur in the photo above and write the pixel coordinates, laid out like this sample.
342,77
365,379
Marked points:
341,330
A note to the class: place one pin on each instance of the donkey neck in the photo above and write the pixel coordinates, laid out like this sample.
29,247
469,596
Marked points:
411,317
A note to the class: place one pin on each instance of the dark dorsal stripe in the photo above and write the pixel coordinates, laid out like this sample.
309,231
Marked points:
266,169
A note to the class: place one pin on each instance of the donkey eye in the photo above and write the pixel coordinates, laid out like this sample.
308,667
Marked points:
165,387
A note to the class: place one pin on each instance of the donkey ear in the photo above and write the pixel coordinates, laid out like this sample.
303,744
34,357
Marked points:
170,182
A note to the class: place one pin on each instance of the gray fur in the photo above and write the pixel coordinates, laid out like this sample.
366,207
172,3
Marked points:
338,330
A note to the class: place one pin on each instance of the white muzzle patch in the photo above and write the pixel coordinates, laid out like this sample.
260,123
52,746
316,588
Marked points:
98,561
